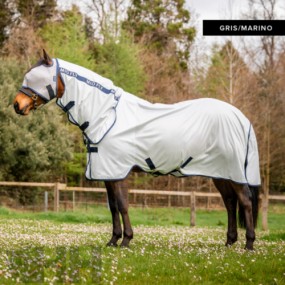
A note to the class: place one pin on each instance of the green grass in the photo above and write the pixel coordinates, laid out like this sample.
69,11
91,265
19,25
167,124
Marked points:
145,216
165,250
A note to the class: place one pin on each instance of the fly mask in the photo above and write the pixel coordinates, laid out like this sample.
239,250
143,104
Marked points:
41,81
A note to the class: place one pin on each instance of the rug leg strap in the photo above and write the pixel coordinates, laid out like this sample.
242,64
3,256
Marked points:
92,148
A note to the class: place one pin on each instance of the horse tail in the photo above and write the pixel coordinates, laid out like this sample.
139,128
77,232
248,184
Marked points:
254,197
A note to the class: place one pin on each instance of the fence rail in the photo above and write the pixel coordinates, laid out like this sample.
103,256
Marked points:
57,187
27,184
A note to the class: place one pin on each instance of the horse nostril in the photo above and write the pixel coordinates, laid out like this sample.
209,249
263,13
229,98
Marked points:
16,107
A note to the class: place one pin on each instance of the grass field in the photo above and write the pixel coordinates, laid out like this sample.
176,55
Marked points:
69,248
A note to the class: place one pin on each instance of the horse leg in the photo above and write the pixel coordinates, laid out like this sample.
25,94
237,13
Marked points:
123,204
245,199
230,200
117,230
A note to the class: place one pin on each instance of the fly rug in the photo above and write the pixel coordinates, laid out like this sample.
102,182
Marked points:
204,137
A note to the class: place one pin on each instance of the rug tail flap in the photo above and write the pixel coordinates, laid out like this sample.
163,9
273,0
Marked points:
252,169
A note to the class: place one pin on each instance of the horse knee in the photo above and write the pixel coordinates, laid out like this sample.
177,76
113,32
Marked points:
247,206
246,203
123,209
245,199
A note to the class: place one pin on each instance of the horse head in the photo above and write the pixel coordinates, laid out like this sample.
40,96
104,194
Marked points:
41,84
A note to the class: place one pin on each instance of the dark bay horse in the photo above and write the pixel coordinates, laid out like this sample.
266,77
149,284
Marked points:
124,133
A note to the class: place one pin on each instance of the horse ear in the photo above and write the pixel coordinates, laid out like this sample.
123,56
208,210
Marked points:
47,59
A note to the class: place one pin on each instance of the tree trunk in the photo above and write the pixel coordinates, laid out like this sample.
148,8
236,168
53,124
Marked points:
267,176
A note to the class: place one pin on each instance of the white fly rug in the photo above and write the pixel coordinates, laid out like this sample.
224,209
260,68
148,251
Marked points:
204,137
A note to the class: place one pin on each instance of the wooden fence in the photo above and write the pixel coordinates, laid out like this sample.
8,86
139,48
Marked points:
57,187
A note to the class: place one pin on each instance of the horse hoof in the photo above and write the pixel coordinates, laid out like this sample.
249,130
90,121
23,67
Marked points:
111,244
125,243
230,243
249,248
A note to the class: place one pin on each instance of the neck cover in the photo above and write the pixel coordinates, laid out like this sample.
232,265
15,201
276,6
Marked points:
89,99
41,79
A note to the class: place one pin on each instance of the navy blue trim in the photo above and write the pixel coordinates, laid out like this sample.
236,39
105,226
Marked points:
137,166
72,120
105,132
247,149
186,162
87,81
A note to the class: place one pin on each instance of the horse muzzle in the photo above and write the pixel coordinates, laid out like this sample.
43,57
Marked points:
18,110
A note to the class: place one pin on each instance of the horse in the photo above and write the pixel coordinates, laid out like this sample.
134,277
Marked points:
124,133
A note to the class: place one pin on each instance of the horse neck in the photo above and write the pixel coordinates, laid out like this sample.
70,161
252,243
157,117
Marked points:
60,86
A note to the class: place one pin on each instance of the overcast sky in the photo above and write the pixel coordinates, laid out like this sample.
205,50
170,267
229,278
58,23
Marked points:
218,9
215,10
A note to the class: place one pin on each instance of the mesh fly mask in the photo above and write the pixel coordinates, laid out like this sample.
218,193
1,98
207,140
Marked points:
41,81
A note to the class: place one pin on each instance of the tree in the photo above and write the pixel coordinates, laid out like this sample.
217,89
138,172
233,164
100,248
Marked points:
162,25
67,39
229,79
5,20
36,13
34,147
278,155
25,18
265,58
118,59
162,28
24,44
108,17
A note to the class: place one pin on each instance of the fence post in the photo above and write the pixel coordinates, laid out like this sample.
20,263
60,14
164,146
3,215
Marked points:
46,201
56,196
193,210
73,200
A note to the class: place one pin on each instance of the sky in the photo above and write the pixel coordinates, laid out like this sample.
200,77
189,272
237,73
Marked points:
217,9
214,10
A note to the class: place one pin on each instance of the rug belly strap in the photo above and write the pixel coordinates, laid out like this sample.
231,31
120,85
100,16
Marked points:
84,126
68,106
150,163
186,162
92,148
